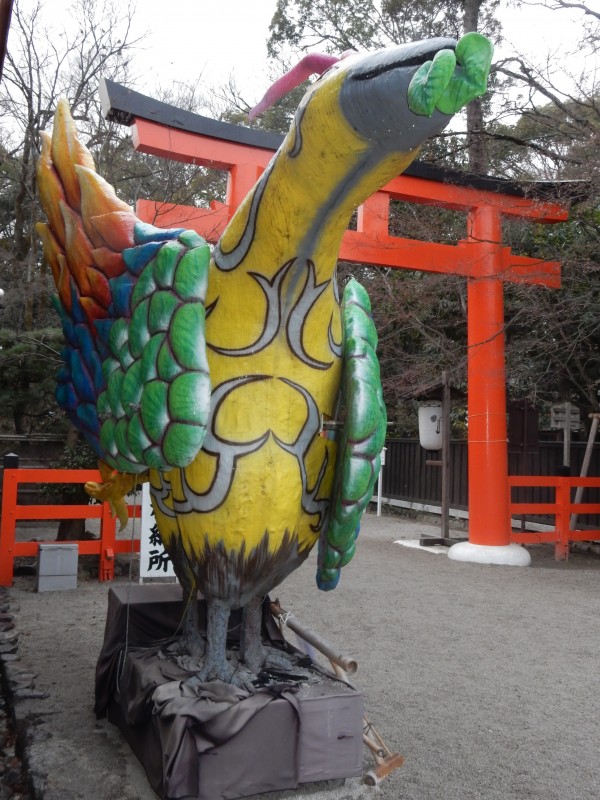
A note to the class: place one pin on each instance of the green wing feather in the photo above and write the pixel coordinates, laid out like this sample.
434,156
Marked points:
155,408
361,439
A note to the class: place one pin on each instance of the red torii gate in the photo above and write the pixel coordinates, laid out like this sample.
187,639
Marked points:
166,131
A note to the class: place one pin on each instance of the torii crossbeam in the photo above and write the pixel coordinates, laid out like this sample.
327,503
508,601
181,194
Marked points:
163,130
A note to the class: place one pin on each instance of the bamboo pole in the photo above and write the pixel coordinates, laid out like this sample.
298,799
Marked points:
445,456
349,665
586,463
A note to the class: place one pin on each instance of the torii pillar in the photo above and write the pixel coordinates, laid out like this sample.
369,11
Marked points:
481,258
489,495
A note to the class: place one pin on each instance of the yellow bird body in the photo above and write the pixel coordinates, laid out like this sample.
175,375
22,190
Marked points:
243,481
264,507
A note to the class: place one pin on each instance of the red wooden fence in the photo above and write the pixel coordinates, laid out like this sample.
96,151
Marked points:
105,547
561,509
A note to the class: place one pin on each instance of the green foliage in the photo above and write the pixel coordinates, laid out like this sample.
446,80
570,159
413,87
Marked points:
339,25
554,140
28,365
553,335
75,456
78,456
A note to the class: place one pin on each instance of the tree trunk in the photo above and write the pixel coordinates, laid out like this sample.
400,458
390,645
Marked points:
73,530
478,159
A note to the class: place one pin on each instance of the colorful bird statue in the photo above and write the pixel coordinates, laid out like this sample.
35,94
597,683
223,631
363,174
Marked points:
214,375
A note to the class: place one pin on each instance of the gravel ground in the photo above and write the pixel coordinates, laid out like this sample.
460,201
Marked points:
484,677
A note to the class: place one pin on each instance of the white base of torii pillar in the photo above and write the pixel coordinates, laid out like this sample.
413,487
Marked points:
512,555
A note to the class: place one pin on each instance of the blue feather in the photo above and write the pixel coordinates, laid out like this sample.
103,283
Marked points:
85,343
103,350
90,437
103,327
144,232
86,414
66,397
82,380
62,311
69,332
121,289
77,312
327,586
136,258
95,365
67,323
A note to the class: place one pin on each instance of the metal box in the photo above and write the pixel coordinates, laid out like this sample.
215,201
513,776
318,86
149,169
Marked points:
57,567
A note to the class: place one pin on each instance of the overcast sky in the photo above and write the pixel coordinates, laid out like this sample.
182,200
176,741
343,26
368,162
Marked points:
215,38
222,38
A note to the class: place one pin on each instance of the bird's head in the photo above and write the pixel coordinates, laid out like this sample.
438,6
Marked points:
395,98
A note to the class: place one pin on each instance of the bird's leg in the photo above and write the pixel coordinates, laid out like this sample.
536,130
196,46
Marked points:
191,641
254,654
216,667
251,646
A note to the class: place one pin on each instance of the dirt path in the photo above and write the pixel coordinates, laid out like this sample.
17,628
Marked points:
485,678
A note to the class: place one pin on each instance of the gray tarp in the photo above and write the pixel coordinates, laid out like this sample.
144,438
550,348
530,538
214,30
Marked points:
204,741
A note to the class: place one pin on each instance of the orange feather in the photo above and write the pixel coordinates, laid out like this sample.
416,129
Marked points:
50,189
97,198
68,152
51,249
78,248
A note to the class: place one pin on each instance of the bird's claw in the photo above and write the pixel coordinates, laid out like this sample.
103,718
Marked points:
240,677
115,485
276,660
242,674
103,493
260,657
